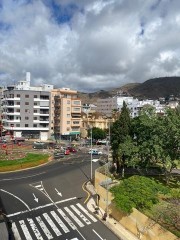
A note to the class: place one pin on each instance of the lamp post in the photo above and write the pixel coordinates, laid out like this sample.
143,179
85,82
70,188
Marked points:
106,173
91,153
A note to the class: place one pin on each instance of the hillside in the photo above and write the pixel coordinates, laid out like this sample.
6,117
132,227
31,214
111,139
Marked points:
151,89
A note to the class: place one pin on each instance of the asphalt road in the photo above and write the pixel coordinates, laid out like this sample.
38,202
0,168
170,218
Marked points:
48,202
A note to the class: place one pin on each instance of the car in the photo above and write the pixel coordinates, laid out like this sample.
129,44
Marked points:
95,152
58,155
66,152
71,149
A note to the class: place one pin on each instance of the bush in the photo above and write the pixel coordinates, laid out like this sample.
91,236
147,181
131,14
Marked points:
137,192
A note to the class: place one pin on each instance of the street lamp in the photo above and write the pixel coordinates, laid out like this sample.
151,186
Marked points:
91,153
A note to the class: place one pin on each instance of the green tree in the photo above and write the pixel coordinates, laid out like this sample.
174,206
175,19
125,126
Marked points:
97,133
119,131
137,192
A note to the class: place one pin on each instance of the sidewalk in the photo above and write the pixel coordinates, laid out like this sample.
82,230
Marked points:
110,222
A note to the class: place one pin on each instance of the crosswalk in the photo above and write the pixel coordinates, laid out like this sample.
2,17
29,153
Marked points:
53,224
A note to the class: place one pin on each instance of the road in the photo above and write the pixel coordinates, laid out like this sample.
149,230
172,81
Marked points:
48,202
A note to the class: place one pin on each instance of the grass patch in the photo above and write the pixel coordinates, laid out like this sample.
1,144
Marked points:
30,160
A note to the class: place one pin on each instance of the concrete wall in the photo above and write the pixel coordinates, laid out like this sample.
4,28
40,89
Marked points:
136,222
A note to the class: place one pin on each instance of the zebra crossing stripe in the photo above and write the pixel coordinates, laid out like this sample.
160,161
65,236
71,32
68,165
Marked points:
44,228
51,223
74,217
25,230
59,221
86,212
71,224
34,228
15,232
81,215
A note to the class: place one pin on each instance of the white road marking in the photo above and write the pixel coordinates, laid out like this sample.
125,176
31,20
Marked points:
37,186
71,224
35,198
40,207
15,232
25,230
98,234
59,193
95,160
86,212
51,223
44,228
35,229
59,221
74,217
16,198
81,215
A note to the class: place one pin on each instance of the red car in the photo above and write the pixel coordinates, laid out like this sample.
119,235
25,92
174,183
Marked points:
66,152
71,149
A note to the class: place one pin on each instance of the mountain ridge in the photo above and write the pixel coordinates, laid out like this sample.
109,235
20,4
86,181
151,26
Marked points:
151,89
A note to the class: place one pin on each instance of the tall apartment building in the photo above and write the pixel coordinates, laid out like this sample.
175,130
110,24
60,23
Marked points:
65,117
25,110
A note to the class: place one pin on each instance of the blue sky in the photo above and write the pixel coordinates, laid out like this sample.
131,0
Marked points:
89,45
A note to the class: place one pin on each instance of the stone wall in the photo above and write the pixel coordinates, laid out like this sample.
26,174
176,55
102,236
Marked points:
136,222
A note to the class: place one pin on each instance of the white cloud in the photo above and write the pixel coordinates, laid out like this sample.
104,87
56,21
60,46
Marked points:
105,43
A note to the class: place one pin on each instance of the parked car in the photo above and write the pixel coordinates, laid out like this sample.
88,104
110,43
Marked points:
71,149
39,145
67,152
58,155
95,152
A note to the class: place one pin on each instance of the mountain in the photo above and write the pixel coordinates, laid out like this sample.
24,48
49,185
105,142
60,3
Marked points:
150,89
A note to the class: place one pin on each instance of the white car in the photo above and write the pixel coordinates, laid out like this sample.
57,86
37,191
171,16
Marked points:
95,152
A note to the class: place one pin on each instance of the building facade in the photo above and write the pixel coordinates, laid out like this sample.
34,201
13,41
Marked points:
65,115
25,110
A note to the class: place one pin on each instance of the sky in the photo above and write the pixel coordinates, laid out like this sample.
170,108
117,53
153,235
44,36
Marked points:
89,45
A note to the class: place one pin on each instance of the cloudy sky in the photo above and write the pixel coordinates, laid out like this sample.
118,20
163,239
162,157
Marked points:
89,45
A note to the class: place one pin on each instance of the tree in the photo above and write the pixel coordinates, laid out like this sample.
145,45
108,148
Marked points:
97,133
137,192
119,131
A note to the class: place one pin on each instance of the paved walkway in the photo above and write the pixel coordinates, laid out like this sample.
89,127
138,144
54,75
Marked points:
110,222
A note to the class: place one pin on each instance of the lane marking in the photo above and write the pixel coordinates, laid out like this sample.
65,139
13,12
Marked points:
60,222
74,217
80,215
35,229
98,235
44,228
33,175
40,207
71,224
25,230
86,212
51,223
83,187
16,198
15,232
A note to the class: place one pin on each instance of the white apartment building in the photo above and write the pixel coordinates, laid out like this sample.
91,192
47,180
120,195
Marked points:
25,109
106,106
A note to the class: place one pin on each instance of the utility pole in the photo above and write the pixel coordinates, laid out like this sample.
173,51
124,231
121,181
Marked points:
91,154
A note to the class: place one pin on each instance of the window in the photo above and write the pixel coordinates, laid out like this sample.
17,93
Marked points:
68,115
17,110
35,103
18,95
17,125
68,122
35,118
26,125
26,103
76,109
18,103
35,96
34,125
75,122
26,96
68,108
68,101
68,129
76,102
35,111
26,118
